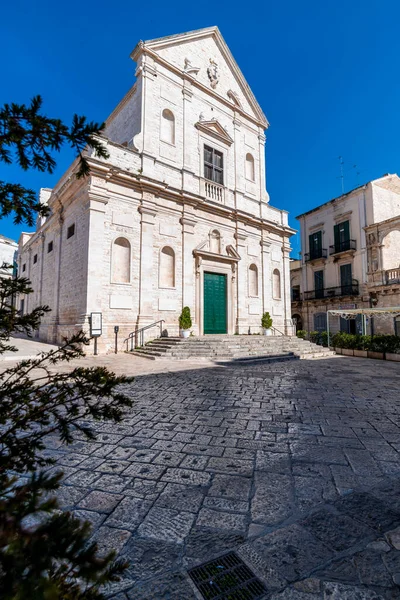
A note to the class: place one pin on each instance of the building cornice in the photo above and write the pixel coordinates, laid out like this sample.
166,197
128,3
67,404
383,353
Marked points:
146,184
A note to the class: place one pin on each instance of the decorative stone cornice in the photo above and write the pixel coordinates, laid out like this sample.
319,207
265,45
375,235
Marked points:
151,187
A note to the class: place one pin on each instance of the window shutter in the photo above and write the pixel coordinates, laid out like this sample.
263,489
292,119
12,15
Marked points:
345,274
319,280
346,227
336,234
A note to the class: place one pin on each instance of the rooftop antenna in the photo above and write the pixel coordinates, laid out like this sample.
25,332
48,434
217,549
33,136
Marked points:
341,161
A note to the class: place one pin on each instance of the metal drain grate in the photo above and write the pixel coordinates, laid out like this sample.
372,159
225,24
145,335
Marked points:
227,578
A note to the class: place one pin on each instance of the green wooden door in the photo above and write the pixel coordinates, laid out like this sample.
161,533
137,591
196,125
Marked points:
214,303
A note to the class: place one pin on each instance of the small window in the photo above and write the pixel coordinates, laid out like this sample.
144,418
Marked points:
253,280
167,126
71,231
320,321
23,267
213,165
249,167
35,259
50,247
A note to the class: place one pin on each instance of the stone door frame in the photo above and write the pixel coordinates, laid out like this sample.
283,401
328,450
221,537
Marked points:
222,265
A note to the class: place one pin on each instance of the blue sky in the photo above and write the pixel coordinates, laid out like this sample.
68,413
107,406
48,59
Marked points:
325,72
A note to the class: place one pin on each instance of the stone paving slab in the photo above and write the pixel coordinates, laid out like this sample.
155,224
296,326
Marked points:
295,466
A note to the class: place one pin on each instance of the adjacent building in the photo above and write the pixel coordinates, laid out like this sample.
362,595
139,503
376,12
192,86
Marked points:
350,259
8,256
178,215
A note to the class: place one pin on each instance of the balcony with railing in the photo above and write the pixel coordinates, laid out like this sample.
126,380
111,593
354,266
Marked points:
345,246
348,289
212,191
316,254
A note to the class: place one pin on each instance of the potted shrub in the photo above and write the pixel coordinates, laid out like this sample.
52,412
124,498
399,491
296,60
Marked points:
185,322
266,323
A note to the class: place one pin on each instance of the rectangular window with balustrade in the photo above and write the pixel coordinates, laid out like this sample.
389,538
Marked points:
213,165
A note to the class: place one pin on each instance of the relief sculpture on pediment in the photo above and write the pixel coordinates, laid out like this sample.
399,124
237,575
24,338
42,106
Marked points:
213,73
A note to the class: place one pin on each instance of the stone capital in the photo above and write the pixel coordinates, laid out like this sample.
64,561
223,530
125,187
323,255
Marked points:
265,245
148,214
187,91
188,224
240,238
262,138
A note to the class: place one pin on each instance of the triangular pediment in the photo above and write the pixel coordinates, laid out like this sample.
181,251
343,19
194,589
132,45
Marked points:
231,251
203,249
206,50
214,129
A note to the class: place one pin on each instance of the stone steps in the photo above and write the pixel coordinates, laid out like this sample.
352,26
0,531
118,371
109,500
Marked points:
232,348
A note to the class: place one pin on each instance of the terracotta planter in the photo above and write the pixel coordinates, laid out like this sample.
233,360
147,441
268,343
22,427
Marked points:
361,353
348,351
377,355
338,350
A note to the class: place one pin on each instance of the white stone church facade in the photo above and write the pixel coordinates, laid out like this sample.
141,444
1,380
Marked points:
178,215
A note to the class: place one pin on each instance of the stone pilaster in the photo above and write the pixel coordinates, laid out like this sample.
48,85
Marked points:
261,162
187,136
94,252
287,309
28,275
241,285
239,162
188,268
266,276
146,287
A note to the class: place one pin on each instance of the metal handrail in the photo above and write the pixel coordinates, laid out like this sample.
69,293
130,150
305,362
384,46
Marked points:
138,334
274,329
344,246
315,254
345,289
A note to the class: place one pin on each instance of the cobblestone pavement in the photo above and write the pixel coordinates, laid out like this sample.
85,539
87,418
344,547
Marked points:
294,466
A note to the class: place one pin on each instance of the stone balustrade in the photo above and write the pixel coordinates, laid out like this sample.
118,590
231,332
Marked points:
392,276
212,191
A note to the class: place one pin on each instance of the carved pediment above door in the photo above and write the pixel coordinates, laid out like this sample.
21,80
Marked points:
214,129
204,251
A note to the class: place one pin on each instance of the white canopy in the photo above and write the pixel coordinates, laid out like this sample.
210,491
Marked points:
351,313
368,312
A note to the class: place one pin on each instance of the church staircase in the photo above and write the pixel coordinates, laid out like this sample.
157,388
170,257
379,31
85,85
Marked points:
237,348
